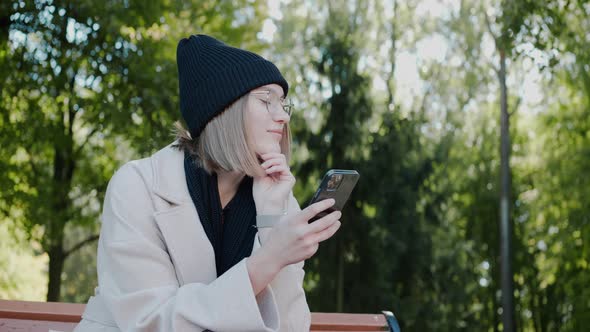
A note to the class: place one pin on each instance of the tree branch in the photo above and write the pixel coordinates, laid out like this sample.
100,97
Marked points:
392,54
516,106
81,244
88,137
489,26
71,112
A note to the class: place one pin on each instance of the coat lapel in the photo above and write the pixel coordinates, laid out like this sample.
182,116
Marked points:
178,220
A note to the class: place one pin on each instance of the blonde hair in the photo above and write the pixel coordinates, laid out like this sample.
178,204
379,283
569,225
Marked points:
224,144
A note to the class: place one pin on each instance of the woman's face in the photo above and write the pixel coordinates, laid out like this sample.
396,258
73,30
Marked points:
266,119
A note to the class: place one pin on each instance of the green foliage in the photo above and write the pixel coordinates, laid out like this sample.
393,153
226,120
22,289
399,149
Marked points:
422,235
557,213
338,144
88,86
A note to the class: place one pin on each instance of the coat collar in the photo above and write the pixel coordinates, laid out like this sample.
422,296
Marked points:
169,181
179,223
178,220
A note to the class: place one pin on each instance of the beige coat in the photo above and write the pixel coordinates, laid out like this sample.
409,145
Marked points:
156,266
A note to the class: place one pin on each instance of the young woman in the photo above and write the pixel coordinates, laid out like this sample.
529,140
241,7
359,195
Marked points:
206,234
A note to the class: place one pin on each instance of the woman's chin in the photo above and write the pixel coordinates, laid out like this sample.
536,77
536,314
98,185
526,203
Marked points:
271,148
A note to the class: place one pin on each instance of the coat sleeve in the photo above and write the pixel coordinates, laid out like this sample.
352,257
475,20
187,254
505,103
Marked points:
138,282
287,288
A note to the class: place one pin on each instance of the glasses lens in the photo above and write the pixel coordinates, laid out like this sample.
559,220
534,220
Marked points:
287,106
273,102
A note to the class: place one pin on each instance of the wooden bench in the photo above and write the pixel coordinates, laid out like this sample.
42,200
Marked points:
26,316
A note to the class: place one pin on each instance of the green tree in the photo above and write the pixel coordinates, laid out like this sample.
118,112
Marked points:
519,22
338,144
87,86
555,199
369,265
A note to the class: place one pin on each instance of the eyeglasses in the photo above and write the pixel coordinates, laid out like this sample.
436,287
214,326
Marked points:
271,100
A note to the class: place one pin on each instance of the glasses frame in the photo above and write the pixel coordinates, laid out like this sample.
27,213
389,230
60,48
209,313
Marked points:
286,103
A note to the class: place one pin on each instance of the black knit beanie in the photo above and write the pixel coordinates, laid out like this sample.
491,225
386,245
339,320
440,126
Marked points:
212,75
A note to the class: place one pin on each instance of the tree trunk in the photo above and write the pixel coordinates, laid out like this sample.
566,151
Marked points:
7,10
392,55
56,263
505,222
495,317
340,280
64,165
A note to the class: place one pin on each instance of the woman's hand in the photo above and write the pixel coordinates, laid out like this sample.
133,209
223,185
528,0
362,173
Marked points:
294,239
291,241
271,191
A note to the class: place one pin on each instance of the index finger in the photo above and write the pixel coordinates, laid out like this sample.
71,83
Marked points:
269,155
317,207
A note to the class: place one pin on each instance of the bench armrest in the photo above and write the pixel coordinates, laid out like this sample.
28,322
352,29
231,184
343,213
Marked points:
391,321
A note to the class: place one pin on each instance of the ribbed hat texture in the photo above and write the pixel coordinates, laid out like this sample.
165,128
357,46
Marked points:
212,75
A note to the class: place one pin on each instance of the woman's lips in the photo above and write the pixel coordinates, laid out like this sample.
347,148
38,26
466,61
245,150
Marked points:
277,132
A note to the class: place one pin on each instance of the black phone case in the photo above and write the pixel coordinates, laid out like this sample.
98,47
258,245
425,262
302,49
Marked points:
332,188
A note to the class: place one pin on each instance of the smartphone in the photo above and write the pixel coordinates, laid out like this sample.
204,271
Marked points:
337,184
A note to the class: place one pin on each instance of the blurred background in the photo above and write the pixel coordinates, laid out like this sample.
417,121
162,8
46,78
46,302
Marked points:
409,93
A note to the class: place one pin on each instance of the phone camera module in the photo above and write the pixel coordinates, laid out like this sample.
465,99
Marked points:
334,182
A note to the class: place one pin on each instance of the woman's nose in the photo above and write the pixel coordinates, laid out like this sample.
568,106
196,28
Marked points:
279,115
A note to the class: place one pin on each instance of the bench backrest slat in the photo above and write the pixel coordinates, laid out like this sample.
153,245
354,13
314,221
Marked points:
51,311
347,322
63,316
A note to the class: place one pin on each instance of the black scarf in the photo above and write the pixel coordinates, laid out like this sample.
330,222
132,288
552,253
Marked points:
231,231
